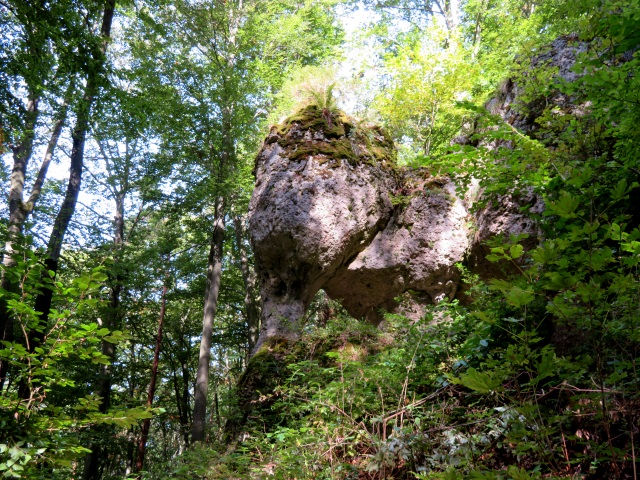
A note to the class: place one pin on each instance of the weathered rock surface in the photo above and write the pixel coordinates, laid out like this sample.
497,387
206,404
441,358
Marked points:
560,56
321,196
322,216
505,216
331,210
416,250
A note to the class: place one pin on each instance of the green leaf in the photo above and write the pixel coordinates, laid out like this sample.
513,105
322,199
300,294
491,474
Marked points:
516,250
519,297
102,332
545,253
565,206
482,382
620,190
499,285
545,367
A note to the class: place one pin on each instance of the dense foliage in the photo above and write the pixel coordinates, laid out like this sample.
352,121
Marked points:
532,374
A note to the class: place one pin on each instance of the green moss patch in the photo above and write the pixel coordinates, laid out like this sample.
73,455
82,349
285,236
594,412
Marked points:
256,389
334,137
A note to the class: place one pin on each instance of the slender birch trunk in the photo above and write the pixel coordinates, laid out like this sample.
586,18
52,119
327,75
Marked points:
214,265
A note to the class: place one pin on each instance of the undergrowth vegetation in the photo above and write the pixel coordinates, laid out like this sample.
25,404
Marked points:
536,379
486,392
530,372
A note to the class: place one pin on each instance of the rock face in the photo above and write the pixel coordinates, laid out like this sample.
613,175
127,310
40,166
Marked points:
417,250
321,196
503,217
331,210
560,55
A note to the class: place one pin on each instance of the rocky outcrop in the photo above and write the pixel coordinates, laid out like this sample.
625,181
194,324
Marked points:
519,102
331,210
321,196
503,216
417,250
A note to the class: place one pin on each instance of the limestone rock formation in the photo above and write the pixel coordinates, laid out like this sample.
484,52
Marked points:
504,216
321,196
560,57
417,250
331,210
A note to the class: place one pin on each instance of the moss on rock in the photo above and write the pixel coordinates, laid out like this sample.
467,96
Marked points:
256,388
333,137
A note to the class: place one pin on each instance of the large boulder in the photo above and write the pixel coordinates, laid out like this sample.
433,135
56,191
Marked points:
321,196
331,210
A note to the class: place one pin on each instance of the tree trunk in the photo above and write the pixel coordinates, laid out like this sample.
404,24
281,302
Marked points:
181,388
61,224
36,189
214,275
112,322
249,279
182,402
449,11
68,207
21,156
17,216
214,266
146,424
19,212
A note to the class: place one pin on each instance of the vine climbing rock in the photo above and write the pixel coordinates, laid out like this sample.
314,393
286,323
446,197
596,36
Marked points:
331,210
